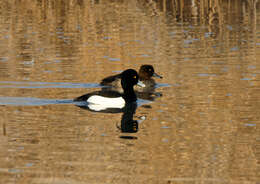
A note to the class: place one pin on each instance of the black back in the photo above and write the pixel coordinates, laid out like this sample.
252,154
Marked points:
109,80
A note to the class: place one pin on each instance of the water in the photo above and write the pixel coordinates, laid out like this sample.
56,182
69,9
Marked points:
199,126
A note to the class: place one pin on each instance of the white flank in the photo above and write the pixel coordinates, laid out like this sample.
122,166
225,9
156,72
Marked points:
98,103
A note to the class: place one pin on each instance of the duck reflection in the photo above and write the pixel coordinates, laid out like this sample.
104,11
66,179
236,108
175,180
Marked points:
128,124
151,95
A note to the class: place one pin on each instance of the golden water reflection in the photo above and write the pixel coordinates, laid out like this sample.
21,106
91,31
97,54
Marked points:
203,129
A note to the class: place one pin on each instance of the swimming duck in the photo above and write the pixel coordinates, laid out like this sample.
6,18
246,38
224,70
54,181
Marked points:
146,72
108,100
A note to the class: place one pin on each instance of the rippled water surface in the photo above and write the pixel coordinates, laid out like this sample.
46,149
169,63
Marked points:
199,125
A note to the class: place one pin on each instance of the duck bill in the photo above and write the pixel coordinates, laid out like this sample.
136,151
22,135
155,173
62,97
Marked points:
157,76
140,83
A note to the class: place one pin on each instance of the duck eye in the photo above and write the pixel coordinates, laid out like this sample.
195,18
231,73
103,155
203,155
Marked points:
134,77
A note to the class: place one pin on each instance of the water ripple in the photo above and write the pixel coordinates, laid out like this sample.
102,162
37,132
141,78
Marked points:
33,85
30,101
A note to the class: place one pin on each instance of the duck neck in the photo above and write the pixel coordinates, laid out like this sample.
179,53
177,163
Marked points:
129,94
142,77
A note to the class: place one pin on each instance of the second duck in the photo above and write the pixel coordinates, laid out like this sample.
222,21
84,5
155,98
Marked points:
146,72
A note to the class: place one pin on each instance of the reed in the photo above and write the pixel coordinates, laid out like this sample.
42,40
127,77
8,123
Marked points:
203,11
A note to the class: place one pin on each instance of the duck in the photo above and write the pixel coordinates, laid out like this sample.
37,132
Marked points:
112,101
146,72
